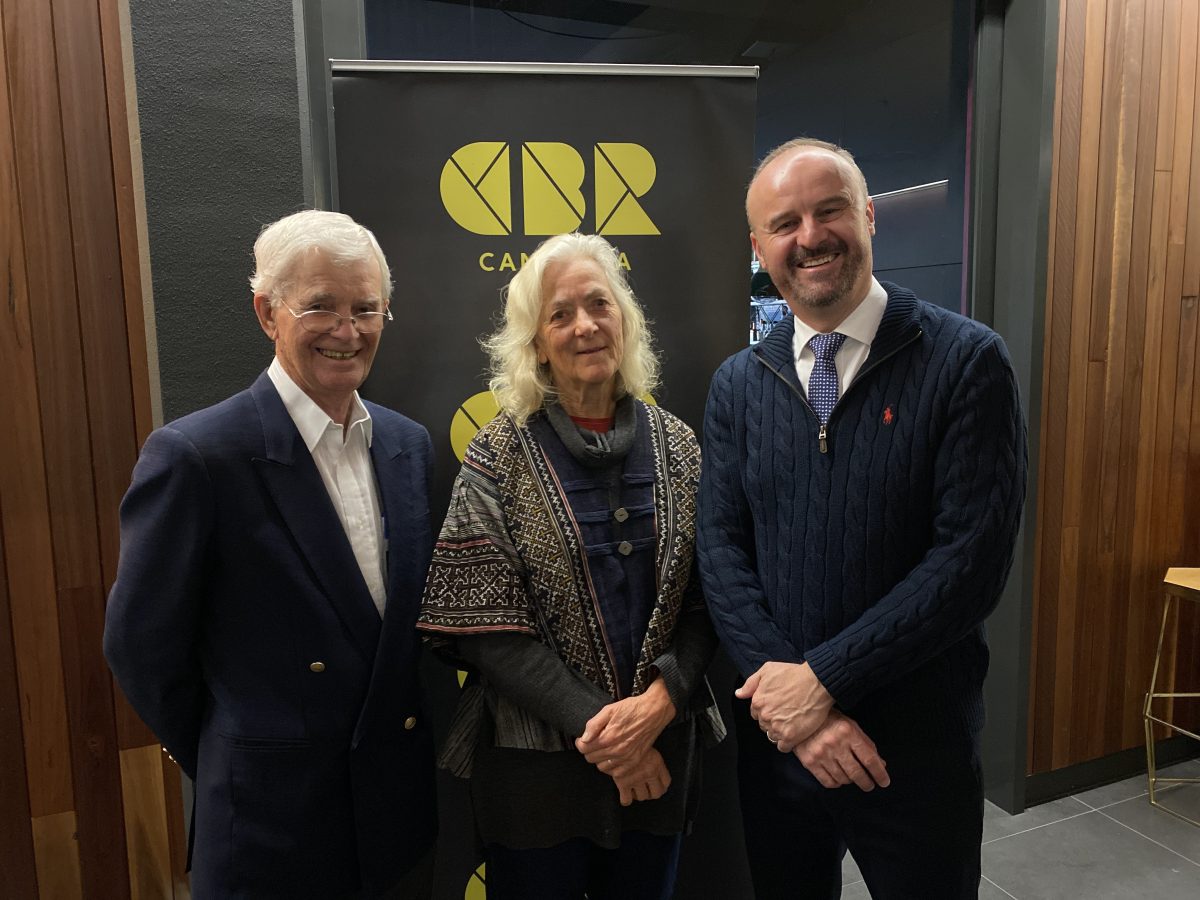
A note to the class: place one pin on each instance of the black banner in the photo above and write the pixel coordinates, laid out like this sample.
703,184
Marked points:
461,172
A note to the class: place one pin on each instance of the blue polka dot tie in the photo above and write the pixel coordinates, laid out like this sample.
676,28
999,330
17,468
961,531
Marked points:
823,383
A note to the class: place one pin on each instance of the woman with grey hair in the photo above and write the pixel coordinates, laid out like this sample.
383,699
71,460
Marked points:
564,582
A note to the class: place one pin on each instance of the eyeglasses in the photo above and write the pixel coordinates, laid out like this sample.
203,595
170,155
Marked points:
326,321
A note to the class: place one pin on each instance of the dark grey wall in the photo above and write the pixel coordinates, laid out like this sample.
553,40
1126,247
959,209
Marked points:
1015,72
219,111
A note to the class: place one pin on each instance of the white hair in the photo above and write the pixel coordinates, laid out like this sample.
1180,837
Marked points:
520,384
281,244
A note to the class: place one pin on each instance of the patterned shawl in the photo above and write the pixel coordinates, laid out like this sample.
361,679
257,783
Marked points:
510,558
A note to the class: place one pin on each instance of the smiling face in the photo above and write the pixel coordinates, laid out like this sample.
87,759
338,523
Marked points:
810,226
579,335
329,368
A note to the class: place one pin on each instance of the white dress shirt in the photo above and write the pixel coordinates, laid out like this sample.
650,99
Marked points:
344,462
859,328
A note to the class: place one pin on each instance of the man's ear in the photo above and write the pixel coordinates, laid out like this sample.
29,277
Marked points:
266,315
871,215
757,255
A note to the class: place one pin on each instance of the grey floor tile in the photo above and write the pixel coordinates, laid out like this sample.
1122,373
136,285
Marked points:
856,891
989,891
1117,792
1163,827
1136,786
997,823
1090,856
850,873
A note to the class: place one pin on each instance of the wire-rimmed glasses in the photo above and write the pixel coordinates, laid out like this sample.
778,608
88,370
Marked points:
326,321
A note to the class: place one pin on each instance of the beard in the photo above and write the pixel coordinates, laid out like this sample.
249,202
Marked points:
825,292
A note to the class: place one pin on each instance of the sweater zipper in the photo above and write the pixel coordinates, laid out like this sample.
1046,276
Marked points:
823,431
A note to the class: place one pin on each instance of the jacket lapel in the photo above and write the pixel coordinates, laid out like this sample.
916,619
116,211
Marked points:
295,485
775,350
899,324
398,640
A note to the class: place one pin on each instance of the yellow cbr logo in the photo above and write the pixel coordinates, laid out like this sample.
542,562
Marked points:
476,188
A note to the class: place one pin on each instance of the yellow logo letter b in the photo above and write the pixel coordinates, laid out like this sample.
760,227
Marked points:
552,174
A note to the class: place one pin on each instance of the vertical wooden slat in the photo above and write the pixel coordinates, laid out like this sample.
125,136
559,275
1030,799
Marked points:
1068,702
22,471
120,121
98,276
94,759
18,867
1129,596
57,850
176,830
148,845
1105,717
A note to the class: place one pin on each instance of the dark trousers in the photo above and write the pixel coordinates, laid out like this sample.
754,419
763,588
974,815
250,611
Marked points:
416,884
642,868
917,839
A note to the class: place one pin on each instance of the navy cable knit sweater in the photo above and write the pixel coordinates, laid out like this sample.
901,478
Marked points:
875,554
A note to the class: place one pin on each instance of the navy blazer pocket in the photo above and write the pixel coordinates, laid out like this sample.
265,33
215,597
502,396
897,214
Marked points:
293,827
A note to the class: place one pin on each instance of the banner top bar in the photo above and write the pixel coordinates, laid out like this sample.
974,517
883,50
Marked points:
537,68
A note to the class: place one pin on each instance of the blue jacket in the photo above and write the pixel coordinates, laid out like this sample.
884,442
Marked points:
241,630
873,552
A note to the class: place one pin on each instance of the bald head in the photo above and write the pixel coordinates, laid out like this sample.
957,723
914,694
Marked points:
794,147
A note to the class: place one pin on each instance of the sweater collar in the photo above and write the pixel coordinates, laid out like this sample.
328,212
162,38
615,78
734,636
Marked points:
898,326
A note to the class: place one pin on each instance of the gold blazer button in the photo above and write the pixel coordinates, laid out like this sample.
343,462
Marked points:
410,723
317,667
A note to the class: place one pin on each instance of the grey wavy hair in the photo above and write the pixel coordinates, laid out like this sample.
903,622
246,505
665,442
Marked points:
520,384
281,244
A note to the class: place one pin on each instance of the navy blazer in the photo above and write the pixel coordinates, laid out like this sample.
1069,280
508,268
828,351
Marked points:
241,630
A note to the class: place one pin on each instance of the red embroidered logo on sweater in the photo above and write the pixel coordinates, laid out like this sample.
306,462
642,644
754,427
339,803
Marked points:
888,417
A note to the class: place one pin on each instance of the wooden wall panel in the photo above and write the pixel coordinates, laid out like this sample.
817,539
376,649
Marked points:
148,844
18,868
1121,435
30,569
59,875
87,819
59,266
98,277
112,35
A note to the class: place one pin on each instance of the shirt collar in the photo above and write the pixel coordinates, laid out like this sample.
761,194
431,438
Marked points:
862,324
311,421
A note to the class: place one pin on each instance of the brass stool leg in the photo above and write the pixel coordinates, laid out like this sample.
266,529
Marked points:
1150,749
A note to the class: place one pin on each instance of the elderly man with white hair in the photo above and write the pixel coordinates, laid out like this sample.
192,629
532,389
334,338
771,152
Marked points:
273,552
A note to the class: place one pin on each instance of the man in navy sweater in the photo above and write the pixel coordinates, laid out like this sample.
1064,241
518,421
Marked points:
863,480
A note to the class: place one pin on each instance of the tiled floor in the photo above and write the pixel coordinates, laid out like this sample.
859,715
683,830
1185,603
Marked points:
1104,844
